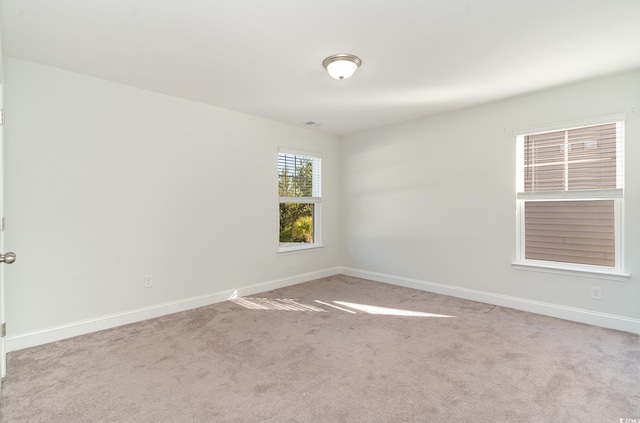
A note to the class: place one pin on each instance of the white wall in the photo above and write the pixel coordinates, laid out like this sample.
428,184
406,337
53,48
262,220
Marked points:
433,200
106,183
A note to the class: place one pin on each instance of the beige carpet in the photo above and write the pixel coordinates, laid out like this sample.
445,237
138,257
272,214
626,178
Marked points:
338,349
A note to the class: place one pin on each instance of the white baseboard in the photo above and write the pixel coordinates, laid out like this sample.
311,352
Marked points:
57,333
610,321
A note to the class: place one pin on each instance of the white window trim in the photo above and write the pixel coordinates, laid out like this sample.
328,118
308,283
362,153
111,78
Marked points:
616,273
317,210
596,272
595,194
284,251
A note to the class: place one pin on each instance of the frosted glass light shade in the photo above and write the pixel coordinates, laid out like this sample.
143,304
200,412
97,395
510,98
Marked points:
341,66
341,69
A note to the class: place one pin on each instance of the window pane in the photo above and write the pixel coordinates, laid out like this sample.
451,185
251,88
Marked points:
592,157
544,162
580,232
547,178
577,159
296,223
295,175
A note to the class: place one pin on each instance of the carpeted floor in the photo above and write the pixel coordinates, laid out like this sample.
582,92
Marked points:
338,349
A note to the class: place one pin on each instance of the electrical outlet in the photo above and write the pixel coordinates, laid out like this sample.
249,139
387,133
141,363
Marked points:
596,292
148,282
350,252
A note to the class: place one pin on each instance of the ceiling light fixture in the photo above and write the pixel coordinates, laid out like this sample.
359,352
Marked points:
341,66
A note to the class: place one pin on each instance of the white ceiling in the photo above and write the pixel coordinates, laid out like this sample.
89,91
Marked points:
420,57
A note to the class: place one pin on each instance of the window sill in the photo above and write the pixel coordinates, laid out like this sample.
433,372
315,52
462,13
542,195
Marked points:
596,273
299,249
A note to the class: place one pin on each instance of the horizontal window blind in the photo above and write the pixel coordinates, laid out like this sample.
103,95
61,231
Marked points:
571,231
299,176
576,159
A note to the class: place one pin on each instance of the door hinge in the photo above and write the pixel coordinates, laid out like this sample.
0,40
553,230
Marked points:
2,221
1,116
4,330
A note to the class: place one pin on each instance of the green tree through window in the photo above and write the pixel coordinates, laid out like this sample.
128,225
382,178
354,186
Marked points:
299,192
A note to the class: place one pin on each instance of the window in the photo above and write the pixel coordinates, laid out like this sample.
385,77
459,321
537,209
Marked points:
569,197
300,193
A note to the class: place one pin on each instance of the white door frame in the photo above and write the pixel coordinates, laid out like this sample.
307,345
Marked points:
3,351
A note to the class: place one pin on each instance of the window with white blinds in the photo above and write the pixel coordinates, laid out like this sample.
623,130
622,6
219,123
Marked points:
300,198
299,175
569,195
577,159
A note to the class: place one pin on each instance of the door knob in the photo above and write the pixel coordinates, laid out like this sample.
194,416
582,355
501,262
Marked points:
7,258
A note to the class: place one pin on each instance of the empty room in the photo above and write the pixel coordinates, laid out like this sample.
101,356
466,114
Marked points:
337,211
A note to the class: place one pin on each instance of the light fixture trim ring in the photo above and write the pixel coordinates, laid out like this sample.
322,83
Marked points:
337,57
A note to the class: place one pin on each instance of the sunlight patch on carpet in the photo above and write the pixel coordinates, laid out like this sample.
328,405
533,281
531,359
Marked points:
336,307
287,304
274,304
388,311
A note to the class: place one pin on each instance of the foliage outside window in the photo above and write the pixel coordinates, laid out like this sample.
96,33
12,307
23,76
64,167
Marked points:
569,197
300,196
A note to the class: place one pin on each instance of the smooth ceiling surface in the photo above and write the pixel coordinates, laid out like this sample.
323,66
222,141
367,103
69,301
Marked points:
420,57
